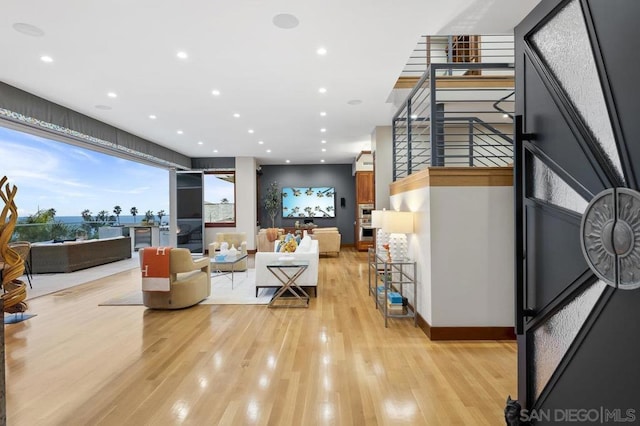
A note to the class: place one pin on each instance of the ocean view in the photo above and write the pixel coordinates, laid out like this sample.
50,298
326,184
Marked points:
124,219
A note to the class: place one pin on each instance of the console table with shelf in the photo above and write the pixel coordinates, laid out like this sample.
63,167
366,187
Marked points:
387,276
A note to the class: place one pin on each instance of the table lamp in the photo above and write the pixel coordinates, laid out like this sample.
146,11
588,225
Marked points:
398,224
377,221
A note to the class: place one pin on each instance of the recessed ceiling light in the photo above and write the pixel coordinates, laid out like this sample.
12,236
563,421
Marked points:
324,149
287,161
323,130
414,116
28,29
47,59
323,114
505,115
103,107
182,55
215,92
200,142
285,21
354,102
112,95
250,130
322,90
153,117
321,51
323,141
215,150
322,161
268,150
260,142
236,115
179,132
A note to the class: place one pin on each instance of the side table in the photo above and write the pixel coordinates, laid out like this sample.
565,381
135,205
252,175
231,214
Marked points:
287,273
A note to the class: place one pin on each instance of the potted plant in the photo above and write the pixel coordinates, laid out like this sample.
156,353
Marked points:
272,202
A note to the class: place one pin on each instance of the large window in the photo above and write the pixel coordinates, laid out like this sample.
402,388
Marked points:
219,199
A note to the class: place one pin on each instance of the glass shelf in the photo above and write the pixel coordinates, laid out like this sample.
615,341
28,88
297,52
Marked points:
387,277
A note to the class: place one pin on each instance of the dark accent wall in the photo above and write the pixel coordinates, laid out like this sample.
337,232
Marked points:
338,176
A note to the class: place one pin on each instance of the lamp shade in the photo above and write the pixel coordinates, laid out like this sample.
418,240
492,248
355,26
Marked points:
397,222
377,218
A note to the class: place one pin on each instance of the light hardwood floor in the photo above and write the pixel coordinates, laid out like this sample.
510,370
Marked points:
77,363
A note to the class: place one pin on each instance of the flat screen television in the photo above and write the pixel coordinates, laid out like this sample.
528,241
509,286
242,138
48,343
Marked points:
319,201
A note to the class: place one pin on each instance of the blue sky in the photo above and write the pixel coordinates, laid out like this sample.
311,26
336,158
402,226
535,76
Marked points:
70,179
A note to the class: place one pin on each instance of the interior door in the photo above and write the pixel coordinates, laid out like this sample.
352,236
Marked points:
578,211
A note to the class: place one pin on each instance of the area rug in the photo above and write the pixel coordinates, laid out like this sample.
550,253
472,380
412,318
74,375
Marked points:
222,293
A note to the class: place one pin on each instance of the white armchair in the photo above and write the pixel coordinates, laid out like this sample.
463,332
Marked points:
237,239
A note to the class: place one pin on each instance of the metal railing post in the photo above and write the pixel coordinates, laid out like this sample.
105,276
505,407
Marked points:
433,129
409,130
450,53
470,143
394,146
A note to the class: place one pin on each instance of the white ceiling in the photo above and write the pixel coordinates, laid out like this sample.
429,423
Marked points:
269,75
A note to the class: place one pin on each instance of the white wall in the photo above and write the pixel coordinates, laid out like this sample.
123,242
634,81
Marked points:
419,202
463,244
382,150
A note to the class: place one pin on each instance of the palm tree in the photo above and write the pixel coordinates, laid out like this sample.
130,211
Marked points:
134,212
148,216
160,214
103,215
86,215
117,210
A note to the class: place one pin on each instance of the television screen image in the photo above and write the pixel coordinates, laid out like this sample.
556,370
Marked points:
309,202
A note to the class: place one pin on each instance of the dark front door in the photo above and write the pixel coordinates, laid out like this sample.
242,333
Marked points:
578,211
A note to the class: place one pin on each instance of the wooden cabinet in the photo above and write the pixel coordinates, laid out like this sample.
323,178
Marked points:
365,188
365,194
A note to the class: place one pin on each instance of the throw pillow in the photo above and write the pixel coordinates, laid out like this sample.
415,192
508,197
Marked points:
289,246
305,245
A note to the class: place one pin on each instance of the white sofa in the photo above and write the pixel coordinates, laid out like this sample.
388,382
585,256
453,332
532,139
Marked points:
309,278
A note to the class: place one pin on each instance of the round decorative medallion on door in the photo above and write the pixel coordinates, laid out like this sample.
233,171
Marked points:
610,237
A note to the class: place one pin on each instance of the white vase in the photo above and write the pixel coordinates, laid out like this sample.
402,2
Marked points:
233,251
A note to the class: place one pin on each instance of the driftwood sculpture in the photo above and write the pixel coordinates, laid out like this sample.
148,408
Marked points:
14,290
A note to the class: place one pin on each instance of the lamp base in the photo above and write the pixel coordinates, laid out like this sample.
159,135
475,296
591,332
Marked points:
398,247
382,238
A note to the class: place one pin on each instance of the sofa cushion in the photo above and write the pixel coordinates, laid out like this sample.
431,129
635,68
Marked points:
328,229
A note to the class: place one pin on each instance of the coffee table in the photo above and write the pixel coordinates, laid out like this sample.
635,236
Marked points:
287,273
228,260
